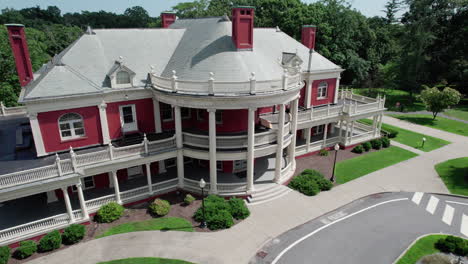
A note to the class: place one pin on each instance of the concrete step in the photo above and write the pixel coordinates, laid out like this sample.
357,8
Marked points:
268,195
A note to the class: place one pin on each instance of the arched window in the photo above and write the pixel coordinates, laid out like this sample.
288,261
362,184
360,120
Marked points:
71,126
123,77
322,90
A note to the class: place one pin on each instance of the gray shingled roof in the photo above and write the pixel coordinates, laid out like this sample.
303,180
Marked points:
191,47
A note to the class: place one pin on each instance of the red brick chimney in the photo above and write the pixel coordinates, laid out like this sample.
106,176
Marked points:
19,46
242,27
167,19
308,36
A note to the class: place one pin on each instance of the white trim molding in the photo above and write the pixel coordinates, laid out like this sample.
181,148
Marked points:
37,134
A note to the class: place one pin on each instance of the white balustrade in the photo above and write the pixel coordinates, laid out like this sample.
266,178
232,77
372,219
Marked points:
232,187
134,194
8,111
94,204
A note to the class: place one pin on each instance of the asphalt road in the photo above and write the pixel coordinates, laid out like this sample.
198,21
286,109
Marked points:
374,229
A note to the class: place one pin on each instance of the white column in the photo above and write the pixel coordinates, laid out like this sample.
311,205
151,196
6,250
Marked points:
341,130
115,181
279,141
212,136
104,124
374,125
180,146
148,177
337,89
352,131
158,129
250,150
347,132
307,134
308,93
111,180
325,135
332,127
66,198
37,135
84,209
292,146
51,196
380,123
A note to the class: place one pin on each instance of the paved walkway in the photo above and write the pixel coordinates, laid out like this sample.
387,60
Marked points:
239,244
427,113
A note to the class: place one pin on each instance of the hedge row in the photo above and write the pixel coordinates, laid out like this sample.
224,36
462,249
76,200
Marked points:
219,213
452,244
375,144
71,235
310,182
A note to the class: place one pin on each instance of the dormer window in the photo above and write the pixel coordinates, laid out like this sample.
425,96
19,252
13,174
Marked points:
322,90
120,75
123,77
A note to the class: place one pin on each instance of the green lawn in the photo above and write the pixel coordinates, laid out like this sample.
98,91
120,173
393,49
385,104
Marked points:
146,261
166,223
411,138
454,173
351,169
460,111
392,96
423,247
440,123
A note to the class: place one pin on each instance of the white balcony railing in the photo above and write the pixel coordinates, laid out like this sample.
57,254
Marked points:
68,166
9,111
212,87
315,114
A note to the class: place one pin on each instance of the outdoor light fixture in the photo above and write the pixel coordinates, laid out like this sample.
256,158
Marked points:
423,141
202,185
337,147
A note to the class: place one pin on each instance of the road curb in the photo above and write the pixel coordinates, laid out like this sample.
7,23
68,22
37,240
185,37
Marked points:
451,195
414,242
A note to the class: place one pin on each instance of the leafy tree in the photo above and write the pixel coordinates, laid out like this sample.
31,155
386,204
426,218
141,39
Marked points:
136,16
391,8
437,101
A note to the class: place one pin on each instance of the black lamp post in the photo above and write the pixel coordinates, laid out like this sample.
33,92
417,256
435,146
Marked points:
202,185
337,147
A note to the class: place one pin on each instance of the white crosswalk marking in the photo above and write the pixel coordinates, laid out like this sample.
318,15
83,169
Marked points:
417,197
464,225
432,205
448,214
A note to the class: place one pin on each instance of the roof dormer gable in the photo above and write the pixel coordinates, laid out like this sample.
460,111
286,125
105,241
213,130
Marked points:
120,75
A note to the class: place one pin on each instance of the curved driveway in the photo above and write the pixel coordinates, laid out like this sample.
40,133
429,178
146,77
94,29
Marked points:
375,229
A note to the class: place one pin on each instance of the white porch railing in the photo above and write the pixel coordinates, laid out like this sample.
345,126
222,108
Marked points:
212,87
232,187
78,160
193,186
229,142
361,137
9,111
94,204
315,114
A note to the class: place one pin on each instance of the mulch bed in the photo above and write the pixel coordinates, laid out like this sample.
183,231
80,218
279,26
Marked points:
135,213
324,164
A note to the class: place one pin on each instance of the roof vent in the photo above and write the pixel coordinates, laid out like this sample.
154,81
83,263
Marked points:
89,31
278,29
224,18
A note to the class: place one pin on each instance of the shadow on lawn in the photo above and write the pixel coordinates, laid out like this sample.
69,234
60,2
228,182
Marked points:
459,176
425,121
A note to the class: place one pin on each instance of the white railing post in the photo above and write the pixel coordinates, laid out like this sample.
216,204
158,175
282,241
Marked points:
2,108
57,163
211,84
328,110
355,107
115,181
73,159
84,209
285,79
383,101
311,113
111,151
174,81
253,82
145,142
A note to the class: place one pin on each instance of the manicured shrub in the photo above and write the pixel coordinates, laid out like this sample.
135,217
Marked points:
366,146
4,254
189,199
213,203
323,184
238,209
385,142
323,152
25,250
358,149
219,220
390,132
159,207
109,212
51,241
376,143
73,234
452,244
305,184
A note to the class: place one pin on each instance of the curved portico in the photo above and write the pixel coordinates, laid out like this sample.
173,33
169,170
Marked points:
213,146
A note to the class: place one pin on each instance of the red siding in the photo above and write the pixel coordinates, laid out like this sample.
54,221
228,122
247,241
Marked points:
330,92
265,110
48,122
302,94
228,166
101,181
144,116
122,175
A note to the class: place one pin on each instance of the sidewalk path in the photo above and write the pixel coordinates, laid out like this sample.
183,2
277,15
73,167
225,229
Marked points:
426,113
239,244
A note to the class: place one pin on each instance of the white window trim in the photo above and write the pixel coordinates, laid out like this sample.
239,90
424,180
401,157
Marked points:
189,113
219,165
74,189
117,75
220,122
241,166
321,88
319,129
172,114
133,114
135,176
72,128
114,83
199,115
